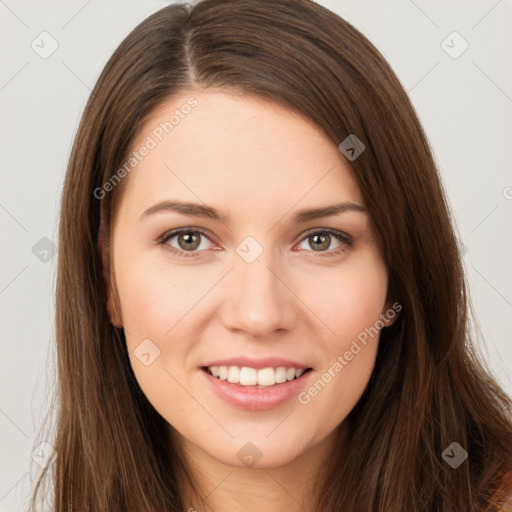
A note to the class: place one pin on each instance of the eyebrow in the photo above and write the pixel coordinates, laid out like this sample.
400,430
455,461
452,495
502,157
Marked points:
208,212
192,209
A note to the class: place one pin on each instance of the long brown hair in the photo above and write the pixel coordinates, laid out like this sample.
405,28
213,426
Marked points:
428,388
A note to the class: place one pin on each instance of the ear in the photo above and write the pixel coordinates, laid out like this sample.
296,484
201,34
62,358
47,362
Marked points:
112,299
390,312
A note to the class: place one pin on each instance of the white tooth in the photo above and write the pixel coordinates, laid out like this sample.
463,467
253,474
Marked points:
233,374
266,377
248,376
280,374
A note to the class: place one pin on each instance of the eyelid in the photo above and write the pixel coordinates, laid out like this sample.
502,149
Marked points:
177,231
330,231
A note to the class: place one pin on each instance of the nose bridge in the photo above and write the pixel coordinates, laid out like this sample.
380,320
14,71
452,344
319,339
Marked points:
258,302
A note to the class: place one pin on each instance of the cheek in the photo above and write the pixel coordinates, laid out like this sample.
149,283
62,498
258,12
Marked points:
347,299
166,306
349,308
152,300
338,387
154,306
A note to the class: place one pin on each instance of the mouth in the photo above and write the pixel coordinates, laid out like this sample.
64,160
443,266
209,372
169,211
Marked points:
248,377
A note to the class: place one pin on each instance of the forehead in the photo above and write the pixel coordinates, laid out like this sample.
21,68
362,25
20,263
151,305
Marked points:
232,146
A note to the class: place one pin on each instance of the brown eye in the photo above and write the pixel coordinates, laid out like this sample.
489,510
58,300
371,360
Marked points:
320,242
187,242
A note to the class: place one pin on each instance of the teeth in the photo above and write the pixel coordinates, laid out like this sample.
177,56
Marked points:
246,376
233,374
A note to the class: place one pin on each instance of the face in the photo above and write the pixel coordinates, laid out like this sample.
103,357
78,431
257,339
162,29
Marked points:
253,284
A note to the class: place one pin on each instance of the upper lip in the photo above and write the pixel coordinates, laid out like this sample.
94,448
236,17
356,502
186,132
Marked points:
266,362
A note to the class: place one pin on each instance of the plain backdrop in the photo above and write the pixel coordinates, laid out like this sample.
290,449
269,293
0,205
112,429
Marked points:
452,57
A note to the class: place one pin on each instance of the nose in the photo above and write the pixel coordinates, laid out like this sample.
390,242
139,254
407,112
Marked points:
258,300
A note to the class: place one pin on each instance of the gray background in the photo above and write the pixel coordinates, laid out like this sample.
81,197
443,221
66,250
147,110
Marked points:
464,103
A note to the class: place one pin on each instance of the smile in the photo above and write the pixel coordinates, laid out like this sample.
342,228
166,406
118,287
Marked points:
246,392
261,378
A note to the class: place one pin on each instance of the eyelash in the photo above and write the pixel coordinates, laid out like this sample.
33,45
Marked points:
346,240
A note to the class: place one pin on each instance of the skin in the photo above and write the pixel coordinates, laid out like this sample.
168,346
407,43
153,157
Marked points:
258,163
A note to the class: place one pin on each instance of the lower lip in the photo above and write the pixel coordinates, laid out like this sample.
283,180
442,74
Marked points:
252,398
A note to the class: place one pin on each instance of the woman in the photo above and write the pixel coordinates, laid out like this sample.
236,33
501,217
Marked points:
260,299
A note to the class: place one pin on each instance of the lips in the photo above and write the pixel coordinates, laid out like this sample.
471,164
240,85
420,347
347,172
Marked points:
255,397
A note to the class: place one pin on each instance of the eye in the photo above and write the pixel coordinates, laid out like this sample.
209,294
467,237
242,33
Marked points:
320,241
188,241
